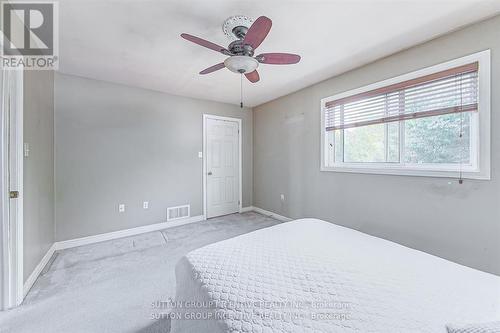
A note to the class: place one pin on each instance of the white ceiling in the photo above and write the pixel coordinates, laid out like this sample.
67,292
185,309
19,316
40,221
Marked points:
137,43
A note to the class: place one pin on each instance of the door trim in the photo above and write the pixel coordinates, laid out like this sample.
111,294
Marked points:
204,154
11,210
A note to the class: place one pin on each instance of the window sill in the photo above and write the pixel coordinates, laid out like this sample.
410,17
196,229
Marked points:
398,171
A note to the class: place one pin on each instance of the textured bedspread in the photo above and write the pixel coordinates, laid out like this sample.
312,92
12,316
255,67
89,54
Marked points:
313,276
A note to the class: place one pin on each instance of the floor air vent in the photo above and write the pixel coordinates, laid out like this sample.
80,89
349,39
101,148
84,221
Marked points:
179,212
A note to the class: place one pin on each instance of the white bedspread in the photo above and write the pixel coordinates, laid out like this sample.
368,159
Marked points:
313,276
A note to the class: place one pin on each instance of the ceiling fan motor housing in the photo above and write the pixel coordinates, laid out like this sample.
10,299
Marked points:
239,48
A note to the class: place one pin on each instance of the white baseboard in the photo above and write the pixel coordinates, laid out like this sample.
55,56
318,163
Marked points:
246,209
271,214
61,245
125,233
38,269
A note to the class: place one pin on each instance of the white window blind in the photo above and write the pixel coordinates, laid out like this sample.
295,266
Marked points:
449,91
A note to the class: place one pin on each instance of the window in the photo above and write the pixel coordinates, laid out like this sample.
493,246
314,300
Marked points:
432,122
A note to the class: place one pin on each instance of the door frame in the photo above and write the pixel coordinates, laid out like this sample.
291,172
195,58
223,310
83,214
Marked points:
11,179
204,154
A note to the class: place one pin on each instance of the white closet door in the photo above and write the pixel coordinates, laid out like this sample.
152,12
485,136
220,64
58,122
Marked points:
222,167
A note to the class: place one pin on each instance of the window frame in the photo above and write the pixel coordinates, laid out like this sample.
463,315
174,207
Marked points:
480,122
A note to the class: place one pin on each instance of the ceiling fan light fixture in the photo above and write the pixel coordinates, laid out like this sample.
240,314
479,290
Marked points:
241,64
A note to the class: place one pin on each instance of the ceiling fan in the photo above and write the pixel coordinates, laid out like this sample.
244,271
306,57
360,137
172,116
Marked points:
247,35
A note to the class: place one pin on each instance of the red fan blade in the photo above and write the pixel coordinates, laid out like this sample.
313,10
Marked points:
213,68
253,76
258,31
278,58
205,43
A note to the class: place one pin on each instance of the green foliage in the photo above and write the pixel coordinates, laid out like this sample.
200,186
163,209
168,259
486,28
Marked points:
437,139
427,140
364,144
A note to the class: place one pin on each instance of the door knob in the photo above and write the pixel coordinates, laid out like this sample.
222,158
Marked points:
210,173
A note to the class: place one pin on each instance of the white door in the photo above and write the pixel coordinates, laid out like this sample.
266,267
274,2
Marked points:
222,167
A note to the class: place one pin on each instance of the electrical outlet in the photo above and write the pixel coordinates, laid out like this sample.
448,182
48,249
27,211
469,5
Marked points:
121,208
145,204
282,197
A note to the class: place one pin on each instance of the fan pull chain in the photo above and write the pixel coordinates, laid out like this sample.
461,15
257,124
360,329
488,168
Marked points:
241,90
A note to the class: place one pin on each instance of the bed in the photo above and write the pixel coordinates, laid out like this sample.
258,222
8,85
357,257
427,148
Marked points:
309,275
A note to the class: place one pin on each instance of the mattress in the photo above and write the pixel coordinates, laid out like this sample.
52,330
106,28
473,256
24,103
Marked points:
309,275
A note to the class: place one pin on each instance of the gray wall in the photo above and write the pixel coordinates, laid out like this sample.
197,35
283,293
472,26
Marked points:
39,225
457,222
118,144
